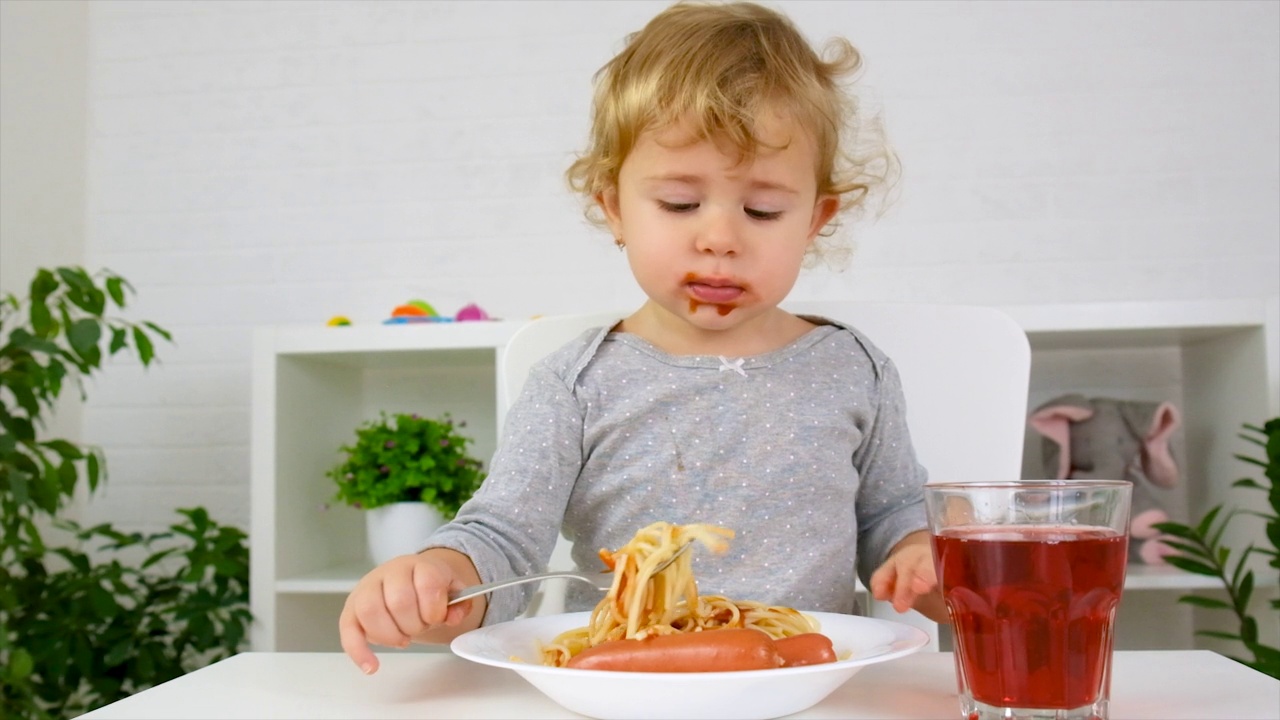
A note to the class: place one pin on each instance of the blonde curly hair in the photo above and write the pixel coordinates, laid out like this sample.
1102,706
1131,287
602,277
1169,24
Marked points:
720,65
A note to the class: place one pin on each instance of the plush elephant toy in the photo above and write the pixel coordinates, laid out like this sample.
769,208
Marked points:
1107,439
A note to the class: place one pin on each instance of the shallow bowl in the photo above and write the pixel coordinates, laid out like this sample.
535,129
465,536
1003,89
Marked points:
743,695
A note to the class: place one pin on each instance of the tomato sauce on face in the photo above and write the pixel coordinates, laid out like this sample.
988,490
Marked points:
721,308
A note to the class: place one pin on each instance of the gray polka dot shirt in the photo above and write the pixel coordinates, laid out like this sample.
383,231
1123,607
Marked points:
804,452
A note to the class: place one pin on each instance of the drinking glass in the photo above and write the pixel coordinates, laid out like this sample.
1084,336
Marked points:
1031,572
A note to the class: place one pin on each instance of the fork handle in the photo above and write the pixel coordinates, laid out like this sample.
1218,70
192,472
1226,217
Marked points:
457,596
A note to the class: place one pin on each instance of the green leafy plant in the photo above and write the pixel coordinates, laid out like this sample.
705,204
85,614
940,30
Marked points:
408,458
99,614
1200,550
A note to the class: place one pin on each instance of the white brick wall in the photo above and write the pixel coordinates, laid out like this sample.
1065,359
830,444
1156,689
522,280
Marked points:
275,162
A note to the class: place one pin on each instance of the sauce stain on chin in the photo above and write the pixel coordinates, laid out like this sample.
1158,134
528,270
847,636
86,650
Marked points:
721,308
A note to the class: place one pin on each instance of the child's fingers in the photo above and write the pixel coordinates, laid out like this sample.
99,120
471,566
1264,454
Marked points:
882,582
903,579
911,585
432,585
355,644
383,609
400,618
889,585
458,613
904,594
431,593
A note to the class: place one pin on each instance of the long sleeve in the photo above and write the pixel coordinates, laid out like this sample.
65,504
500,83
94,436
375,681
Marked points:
891,497
511,524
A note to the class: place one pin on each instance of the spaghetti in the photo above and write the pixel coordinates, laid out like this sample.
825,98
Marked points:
643,602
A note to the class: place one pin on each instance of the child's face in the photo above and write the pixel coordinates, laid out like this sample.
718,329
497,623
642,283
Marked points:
710,240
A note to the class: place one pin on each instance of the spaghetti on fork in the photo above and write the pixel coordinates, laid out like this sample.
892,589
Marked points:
643,602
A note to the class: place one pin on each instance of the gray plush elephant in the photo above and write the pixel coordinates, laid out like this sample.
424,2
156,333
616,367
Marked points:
1108,439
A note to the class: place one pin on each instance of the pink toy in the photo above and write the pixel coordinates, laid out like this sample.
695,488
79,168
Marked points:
471,312
1105,439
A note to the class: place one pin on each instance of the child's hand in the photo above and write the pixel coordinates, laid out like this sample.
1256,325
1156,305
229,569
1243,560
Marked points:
909,579
406,599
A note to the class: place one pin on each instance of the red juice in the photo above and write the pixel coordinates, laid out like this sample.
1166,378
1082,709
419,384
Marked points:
1032,609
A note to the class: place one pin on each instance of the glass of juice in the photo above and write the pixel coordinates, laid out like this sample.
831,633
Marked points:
1031,572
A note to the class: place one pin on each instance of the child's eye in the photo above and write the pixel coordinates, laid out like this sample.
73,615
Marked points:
763,214
677,207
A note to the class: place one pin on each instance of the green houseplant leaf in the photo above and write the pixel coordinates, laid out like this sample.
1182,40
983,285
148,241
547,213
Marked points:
407,458
1200,550
81,626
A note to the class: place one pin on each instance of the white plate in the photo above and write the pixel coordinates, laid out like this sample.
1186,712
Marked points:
744,695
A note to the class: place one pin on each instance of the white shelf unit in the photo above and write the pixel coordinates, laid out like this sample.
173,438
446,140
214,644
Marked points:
1216,360
311,388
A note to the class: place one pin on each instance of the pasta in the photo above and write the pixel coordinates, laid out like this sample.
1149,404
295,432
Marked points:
642,603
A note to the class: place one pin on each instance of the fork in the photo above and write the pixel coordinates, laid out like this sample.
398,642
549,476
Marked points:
602,580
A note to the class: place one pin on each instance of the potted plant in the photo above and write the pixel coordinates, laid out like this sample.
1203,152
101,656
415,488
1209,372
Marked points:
1200,550
92,615
410,474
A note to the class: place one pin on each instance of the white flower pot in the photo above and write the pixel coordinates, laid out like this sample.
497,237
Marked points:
399,529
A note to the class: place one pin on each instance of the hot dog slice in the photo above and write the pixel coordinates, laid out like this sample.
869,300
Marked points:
706,651
805,649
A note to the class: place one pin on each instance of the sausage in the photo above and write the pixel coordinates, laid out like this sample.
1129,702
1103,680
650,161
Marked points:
720,650
805,649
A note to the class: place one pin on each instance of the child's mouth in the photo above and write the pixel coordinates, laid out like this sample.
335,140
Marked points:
710,290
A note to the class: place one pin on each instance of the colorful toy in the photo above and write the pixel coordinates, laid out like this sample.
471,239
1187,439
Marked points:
338,321
420,311
414,308
471,312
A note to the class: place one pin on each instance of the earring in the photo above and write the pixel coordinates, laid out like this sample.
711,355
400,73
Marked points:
620,243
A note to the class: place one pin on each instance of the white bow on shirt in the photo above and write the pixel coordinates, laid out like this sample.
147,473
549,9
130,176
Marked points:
735,366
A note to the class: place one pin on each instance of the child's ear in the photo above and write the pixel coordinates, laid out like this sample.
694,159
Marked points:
823,211
608,201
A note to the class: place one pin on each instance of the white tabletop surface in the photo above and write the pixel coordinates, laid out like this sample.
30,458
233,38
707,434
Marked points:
1146,685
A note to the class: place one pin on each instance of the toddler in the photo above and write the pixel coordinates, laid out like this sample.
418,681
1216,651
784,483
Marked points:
716,160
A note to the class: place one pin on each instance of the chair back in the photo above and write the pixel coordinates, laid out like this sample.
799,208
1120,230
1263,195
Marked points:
536,340
965,374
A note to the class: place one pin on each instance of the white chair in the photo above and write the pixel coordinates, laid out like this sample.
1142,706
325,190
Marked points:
965,372
527,346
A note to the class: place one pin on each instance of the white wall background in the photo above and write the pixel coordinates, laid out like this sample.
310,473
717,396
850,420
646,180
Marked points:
44,68
254,163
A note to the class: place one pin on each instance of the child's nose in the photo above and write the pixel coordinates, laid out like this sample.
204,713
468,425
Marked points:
719,235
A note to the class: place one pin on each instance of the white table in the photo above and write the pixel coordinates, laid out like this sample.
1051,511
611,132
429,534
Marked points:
1146,685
